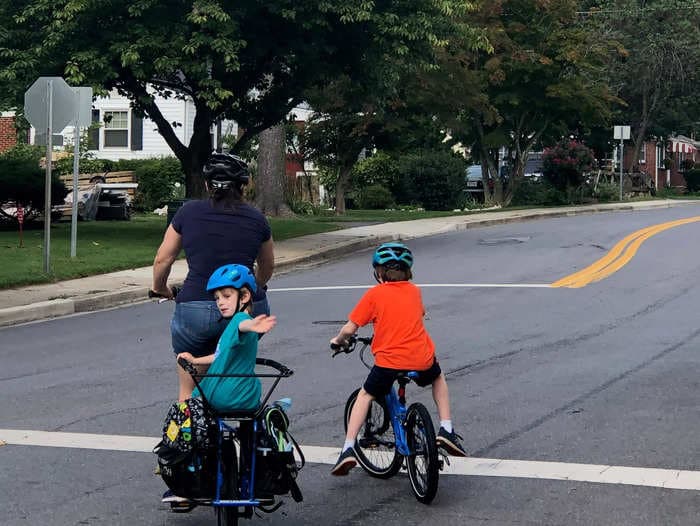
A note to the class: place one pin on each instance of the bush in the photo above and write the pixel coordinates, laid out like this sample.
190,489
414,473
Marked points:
564,164
375,197
433,178
607,192
379,169
158,180
22,181
531,192
692,179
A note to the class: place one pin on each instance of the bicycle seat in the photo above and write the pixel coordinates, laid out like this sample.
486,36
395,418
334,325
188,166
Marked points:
407,375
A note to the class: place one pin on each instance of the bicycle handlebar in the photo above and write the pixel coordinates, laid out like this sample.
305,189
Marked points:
174,290
283,370
350,344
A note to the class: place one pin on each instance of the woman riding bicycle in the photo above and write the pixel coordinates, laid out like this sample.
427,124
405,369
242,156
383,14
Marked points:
400,343
219,230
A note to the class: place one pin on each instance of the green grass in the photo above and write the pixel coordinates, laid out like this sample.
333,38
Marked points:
109,246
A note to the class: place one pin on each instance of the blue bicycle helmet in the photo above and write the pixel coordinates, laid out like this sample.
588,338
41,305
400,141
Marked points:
396,253
231,275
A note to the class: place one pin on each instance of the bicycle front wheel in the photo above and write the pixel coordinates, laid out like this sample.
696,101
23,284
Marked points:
375,447
228,515
422,462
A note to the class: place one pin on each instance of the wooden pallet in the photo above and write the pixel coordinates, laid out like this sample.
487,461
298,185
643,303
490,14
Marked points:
126,176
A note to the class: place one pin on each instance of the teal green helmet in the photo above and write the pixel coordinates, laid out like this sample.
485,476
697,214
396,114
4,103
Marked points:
393,254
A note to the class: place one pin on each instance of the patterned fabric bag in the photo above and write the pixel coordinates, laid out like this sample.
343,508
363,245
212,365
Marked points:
189,426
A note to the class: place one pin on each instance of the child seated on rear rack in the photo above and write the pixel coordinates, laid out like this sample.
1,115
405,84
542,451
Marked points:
400,343
233,287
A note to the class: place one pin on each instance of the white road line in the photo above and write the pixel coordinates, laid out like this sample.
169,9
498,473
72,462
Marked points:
479,467
424,285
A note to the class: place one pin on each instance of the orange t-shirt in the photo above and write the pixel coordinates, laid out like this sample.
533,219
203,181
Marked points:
400,339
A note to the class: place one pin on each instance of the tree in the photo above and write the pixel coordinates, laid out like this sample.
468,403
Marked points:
658,67
540,82
271,176
22,182
246,61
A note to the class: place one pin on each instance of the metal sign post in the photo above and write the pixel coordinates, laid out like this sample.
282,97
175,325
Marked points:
622,133
47,190
49,104
83,117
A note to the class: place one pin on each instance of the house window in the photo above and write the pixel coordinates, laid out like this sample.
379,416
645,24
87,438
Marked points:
643,154
116,129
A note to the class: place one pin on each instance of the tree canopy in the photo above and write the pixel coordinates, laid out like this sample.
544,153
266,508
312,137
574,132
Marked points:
246,61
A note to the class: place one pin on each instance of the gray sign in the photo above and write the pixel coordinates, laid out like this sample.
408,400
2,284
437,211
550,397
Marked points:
84,106
50,92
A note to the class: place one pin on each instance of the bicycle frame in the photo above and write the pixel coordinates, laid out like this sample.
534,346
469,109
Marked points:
247,480
396,404
246,436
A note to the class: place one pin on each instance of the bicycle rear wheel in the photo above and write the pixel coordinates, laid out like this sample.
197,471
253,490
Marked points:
228,515
422,463
375,447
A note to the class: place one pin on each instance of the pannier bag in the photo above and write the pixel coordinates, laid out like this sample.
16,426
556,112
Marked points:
276,468
186,453
191,475
189,425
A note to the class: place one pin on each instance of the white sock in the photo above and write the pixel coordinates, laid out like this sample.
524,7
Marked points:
348,444
447,425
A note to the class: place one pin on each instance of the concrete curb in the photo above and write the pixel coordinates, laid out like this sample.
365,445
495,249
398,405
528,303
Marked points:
137,294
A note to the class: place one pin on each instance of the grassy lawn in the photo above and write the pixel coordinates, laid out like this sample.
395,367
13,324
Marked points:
108,246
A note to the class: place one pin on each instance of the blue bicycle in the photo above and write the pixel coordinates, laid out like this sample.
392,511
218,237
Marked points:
244,471
393,433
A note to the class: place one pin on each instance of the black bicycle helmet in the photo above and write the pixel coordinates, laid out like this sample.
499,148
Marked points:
224,169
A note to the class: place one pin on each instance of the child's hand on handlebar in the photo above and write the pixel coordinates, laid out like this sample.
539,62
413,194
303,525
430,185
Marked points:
186,356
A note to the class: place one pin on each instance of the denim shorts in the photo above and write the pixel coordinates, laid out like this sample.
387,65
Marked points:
197,325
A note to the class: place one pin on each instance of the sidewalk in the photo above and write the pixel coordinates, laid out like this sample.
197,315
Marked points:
131,286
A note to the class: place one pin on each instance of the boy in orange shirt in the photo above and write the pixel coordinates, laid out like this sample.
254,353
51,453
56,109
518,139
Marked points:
400,343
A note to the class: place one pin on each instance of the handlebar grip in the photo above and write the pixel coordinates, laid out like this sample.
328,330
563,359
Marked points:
187,366
173,290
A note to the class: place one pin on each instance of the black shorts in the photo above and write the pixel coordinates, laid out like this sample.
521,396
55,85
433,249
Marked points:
380,379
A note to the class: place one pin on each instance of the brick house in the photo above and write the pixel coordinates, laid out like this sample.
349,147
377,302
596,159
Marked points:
8,132
653,156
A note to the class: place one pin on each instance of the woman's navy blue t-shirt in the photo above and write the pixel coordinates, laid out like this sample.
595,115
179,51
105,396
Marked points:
212,237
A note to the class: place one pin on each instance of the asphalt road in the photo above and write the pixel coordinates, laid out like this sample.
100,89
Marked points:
607,374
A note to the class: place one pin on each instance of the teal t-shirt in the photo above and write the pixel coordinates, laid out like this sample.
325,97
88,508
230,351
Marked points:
235,354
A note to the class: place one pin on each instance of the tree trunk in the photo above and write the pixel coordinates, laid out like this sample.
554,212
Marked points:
340,188
270,182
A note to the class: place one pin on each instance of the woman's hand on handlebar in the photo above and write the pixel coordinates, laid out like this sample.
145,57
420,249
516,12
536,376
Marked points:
163,294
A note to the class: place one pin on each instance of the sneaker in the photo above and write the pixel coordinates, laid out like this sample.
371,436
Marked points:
451,442
169,496
346,461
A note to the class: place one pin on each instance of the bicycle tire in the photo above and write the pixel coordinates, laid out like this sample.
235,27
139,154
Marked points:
422,463
228,515
375,447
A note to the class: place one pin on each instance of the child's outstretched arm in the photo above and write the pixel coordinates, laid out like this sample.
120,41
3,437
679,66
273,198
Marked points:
260,324
346,331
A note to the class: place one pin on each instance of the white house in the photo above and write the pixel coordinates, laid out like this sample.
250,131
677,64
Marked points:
124,135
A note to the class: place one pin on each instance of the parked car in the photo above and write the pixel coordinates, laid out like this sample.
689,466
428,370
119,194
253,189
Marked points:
475,182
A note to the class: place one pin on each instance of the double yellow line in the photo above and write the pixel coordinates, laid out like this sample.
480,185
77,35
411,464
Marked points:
618,256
